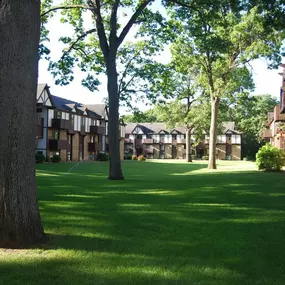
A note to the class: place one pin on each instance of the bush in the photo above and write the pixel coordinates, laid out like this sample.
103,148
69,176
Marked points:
40,158
55,158
193,157
205,157
270,158
134,157
102,156
128,156
141,158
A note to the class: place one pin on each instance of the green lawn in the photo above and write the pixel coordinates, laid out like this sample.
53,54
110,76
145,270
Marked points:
168,223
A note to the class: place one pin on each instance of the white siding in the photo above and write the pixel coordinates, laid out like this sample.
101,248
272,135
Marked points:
236,139
50,117
221,139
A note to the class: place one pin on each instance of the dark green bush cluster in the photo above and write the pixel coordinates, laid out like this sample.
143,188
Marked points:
270,158
40,158
128,156
55,158
102,156
141,158
205,157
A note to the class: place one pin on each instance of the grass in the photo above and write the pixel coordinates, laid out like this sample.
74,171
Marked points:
168,223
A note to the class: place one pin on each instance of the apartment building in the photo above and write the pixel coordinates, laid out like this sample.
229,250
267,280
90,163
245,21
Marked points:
70,129
155,140
275,124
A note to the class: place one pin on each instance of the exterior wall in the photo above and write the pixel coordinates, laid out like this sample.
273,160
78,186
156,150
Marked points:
41,144
168,151
75,147
86,153
180,151
236,152
220,151
63,136
122,148
156,151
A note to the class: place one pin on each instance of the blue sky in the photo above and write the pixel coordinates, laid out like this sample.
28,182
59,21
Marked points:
266,81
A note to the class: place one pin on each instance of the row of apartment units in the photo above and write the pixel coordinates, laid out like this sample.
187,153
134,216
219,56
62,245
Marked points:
70,129
155,140
275,125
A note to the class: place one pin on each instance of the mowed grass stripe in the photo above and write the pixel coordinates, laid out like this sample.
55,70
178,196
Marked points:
168,223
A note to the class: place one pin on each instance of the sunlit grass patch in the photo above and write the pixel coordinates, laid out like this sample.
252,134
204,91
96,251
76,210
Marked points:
169,222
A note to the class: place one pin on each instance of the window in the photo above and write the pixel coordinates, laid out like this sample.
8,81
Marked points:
92,139
39,110
83,121
72,120
139,137
127,136
57,114
174,137
55,135
149,136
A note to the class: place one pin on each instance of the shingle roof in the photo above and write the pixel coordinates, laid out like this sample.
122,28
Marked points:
155,128
97,108
151,128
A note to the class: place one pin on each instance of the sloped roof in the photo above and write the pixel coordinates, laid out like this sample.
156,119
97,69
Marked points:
151,128
155,128
97,108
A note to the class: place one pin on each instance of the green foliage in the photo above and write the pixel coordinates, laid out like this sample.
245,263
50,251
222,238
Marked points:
134,157
128,156
193,157
141,158
40,158
102,156
270,158
55,158
205,157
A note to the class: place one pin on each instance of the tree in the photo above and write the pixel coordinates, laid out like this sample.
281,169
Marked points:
221,39
250,113
20,223
99,49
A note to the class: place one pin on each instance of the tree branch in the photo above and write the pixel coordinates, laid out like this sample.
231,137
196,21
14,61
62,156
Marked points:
101,30
132,20
66,8
76,41
113,25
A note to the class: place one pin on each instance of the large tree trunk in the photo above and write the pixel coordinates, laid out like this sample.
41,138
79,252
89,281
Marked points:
213,132
115,169
188,145
20,223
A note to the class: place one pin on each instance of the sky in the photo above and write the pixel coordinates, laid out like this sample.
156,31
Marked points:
266,81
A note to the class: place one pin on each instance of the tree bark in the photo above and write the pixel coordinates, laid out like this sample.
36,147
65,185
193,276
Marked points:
20,223
115,169
213,132
188,145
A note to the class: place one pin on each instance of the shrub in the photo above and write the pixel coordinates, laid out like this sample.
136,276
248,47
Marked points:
205,157
270,158
128,156
40,158
141,158
102,156
134,157
193,157
55,158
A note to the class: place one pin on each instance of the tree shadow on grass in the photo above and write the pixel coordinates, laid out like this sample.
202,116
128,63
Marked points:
222,228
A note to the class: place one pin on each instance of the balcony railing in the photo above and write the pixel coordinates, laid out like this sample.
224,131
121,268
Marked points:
97,130
61,124
92,147
57,144
147,141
